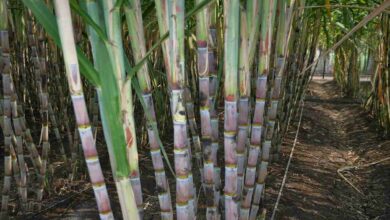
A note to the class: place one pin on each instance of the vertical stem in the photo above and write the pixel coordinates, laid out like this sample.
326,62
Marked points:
137,39
64,22
12,127
6,109
267,29
184,184
213,75
113,28
202,36
37,46
232,34
243,102
250,22
57,134
109,101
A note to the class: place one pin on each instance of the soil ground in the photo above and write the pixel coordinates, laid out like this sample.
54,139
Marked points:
335,132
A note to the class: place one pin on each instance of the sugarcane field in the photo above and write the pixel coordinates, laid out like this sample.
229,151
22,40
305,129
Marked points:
197,109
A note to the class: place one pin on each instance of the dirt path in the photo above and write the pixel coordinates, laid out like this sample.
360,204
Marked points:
335,133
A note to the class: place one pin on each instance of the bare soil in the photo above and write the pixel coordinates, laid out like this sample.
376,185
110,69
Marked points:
335,133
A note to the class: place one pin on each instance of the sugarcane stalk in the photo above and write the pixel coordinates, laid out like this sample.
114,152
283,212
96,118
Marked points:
109,101
232,33
30,145
249,30
135,24
39,67
283,36
213,75
12,122
258,117
291,41
5,110
16,129
112,17
185,208
57,134
62,104
18,143
193,129
259,125
95,114
243,102
65,28
202,36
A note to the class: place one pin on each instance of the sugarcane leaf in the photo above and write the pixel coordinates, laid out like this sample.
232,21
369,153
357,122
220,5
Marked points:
88,20
198,8
108,93
48,21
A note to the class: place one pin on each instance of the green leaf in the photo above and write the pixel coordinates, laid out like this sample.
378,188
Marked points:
88,20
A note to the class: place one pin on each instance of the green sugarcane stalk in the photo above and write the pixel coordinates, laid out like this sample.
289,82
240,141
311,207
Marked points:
249,30
231,61
109,101
65,28
193,129
295,77
213,75
283,37
185,207
162,18
264,70
184,184
202,35
258,119
113,129
280,59
243,102
267,25
253,26
291,41
111,13
137,39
